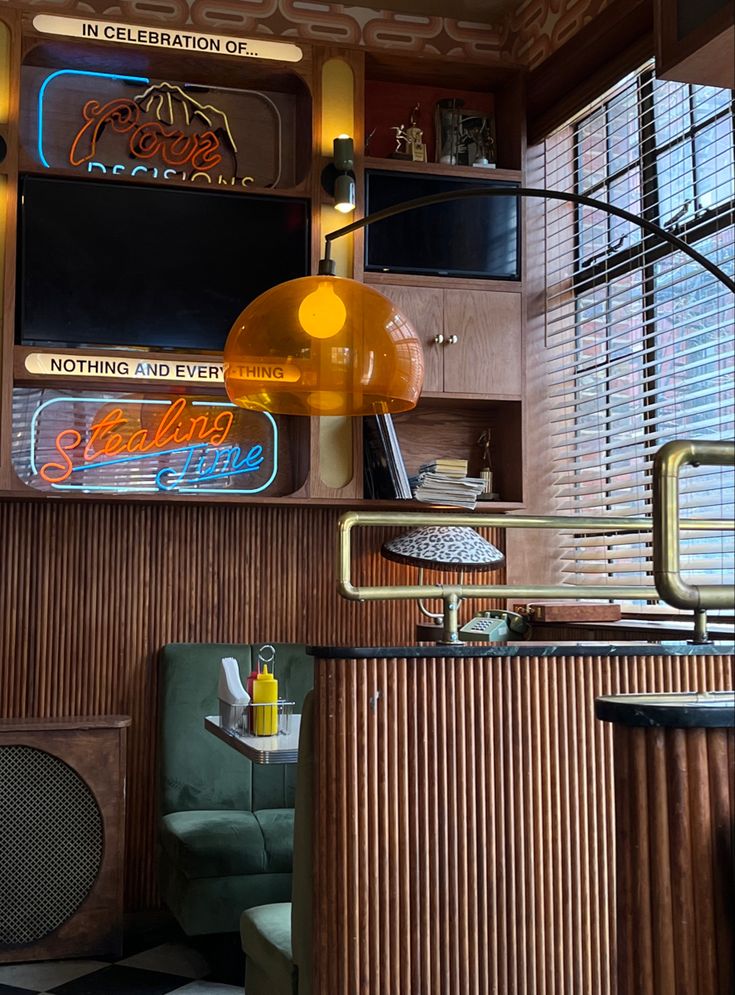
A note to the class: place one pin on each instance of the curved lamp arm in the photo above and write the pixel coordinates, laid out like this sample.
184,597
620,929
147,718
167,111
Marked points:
327,267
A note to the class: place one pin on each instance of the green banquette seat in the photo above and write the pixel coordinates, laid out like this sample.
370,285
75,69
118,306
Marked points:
225,825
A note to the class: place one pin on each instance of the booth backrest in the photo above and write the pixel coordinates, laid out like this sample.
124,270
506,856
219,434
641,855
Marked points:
197,771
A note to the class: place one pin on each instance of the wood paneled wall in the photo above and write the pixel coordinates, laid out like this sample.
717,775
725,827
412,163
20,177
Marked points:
89,592
675,814
465,837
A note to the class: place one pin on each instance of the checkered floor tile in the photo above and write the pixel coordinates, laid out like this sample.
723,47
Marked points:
200,966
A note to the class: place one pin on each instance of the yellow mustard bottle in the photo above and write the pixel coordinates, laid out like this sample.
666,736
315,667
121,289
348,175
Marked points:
265,691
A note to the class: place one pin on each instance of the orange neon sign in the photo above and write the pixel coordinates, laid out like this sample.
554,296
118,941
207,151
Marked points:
113,434
171,106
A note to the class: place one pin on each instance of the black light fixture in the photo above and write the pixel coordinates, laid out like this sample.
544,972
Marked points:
344,184
328,345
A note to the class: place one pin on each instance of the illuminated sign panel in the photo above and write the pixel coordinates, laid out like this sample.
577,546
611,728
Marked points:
104,442
162,37
134,126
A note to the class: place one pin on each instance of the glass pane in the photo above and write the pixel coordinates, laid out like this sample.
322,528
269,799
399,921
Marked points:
713,151
625,192
675,184
670,110
591,327
623,130
709,100
593,232
591,159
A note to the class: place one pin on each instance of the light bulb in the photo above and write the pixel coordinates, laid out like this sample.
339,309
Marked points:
321,313
344,194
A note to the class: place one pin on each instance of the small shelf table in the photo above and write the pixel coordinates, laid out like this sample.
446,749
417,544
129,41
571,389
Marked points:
282,748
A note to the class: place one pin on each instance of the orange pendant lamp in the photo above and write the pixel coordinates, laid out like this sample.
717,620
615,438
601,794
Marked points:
323,345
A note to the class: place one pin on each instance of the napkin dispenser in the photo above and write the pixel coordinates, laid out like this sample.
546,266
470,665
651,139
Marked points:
233,698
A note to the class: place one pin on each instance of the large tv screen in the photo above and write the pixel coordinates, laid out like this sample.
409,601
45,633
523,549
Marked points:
104,263
477,237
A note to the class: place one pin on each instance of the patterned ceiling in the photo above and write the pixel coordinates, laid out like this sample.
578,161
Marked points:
479,11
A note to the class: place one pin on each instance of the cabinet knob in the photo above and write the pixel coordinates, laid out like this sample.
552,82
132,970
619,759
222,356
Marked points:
452,340
439,338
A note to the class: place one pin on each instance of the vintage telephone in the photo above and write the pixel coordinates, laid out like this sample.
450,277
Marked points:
495,626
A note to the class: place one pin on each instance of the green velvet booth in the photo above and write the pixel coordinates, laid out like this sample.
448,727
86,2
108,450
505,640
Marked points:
277,938
225,825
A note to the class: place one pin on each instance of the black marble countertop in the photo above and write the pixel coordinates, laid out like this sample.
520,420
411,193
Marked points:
680,710
682,648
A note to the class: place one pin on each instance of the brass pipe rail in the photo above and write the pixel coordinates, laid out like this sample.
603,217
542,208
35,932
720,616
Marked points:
665,526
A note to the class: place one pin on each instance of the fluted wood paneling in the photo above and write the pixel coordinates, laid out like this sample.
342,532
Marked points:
465,837
90,592
675,812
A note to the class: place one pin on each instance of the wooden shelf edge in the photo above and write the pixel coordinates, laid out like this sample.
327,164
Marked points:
442,169
364,504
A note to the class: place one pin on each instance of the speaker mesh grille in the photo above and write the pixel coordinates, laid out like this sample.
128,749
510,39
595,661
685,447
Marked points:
51,842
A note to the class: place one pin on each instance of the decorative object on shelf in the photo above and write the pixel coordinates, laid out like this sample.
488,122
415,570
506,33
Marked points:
344,185
476,141
415,137
486,470
401,150
326,345
448,130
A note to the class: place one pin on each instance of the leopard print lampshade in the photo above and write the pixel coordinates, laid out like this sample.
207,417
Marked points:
439,547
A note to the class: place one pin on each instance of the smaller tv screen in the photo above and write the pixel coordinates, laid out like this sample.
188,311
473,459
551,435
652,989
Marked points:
104,263
476,237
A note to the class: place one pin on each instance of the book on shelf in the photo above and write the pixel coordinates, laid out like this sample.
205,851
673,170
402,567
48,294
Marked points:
447,465
385,470
440,488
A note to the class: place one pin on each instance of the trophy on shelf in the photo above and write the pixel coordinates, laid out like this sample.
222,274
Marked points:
477,141
486,470
410,140
448,130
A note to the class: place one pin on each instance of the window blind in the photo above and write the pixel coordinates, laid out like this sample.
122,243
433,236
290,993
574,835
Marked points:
639,337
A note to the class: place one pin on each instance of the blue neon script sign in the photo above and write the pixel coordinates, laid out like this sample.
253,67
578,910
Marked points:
119,444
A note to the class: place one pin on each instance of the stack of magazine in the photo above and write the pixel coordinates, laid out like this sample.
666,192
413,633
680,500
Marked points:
438,488
385,471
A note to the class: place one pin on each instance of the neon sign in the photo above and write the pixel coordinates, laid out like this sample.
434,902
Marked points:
199,151
161,131
115,443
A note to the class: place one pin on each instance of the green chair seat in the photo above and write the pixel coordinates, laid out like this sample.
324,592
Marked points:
266,935
210,844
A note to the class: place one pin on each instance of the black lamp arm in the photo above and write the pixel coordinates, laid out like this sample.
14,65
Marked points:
326,265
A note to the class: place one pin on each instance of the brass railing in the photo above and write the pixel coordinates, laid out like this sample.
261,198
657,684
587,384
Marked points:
665,526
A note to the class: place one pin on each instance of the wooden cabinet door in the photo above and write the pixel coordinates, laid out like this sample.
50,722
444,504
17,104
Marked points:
424,309
486,357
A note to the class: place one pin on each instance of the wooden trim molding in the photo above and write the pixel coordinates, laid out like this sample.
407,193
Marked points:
618,40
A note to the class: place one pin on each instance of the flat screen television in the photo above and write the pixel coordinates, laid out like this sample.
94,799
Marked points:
476,237
105,263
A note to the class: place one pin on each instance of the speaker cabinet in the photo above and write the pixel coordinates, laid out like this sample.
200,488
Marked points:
62,826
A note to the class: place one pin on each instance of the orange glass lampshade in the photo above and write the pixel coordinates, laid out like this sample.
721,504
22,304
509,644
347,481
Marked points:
323,345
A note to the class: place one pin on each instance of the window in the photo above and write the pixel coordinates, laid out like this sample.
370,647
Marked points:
639,336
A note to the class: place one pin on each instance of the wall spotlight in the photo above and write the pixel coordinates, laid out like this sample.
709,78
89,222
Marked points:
344,184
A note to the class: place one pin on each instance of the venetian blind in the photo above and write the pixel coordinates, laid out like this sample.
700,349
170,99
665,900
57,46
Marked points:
640,337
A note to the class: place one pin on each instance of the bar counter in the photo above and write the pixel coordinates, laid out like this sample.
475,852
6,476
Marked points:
464,812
